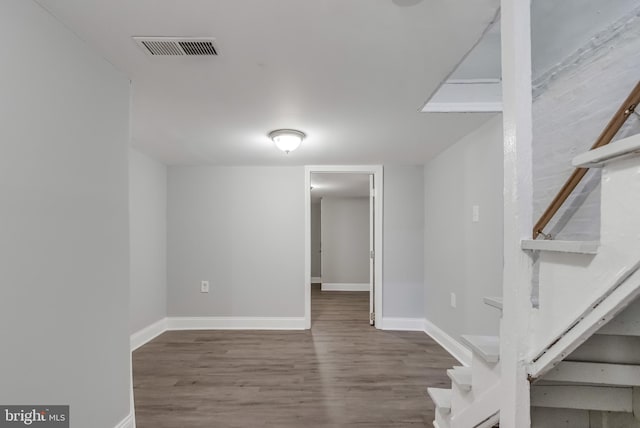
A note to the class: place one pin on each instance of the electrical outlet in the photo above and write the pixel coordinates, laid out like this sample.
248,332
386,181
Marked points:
453,300
204,287
475,215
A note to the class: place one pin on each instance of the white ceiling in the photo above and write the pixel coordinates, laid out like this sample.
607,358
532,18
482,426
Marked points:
350,74
484,60
339,185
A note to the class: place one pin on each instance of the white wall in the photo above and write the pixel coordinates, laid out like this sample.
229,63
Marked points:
569,113
148,240
63,221
345,240
316,240
461,256
403,239
558,28
242,229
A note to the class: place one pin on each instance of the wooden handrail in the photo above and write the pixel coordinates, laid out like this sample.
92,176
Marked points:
616,122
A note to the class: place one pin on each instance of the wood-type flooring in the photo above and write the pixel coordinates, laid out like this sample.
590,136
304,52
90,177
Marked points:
341,373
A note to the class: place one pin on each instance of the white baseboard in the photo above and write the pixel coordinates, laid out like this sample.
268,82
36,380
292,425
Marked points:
403,324
154,330
139,338
147,334
455,348
316,279
127,422
345,287
235,323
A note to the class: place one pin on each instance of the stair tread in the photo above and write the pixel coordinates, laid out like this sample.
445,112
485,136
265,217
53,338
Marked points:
488,347
595,373
597,157
495,302
461,376
441,397
579,247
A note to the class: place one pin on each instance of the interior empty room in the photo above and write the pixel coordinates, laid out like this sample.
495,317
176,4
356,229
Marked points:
296,213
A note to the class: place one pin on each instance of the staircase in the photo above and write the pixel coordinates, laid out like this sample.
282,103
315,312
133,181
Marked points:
583,334
597,384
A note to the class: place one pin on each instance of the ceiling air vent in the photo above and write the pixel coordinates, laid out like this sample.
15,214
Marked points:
177,46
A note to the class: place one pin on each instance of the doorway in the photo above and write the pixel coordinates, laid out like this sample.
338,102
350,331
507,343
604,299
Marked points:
372,200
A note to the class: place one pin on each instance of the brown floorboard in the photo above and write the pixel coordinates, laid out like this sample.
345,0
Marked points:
341,373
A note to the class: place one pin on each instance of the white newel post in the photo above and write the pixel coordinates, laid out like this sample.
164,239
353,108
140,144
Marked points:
517,119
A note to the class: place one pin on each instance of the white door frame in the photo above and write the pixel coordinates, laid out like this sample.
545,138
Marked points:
377,172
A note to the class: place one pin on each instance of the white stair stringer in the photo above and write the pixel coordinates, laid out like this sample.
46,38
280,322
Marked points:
474,395
482,411
578,293
586,325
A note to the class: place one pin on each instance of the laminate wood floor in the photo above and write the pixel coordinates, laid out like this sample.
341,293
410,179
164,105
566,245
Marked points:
341,373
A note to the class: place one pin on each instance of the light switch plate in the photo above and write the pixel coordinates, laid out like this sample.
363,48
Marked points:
475,216
204,287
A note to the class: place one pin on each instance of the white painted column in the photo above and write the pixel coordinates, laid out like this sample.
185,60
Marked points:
518,137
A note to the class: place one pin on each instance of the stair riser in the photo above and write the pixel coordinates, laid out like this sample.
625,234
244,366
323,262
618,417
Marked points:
595,374
608,349
612,420
583,398
442,419
462,394
565,418
627,323
460,400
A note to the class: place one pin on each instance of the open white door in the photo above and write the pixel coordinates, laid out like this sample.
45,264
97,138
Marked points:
372,195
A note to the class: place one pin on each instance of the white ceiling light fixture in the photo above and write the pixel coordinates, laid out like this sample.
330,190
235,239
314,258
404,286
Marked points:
287,140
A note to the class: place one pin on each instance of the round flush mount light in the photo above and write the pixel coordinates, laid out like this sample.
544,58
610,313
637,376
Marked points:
287,140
